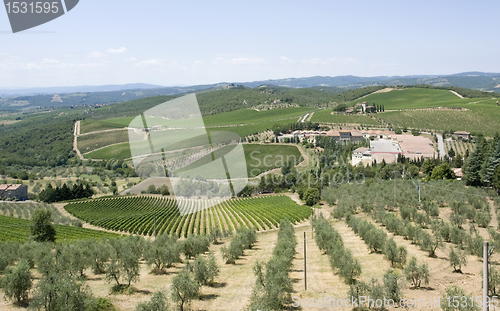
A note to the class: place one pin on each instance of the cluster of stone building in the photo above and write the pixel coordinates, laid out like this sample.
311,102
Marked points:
14,192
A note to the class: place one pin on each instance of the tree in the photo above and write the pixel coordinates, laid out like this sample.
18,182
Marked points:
184,288
416,274
442,171
194,245
157,303
213,268
17,282
124,262
162,253
41,228
452,300
457,259
312,196
472,167
451,152
393,285
59,291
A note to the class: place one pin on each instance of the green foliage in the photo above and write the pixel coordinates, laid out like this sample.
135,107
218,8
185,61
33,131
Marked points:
184,288
244,239
59,291
136,214
393,284
17,282
162,253
452,300
417,274
458,259
205,270
41,228
158,302
195,245
312,196
442,171
341,259
78,191
124,261
273,285
396,255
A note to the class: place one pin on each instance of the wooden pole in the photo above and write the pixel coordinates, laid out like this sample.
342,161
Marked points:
305,266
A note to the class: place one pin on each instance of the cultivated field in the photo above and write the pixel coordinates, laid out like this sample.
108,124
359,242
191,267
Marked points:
325,116
415,98
137,214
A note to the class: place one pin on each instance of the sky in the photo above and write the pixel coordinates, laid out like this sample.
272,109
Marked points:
200,42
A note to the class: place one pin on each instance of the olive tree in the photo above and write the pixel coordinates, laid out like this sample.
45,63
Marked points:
457,259
17,281
417,274
184,288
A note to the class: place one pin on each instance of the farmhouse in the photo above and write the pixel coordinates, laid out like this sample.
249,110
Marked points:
18,192
462,134
388,149
345,135
362,155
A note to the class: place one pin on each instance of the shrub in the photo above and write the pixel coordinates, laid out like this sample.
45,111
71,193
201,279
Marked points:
457,259
158,302
17,282
416,274
184,288
452,300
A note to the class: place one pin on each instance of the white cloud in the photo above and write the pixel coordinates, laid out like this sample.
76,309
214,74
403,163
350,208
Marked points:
148,63
328,61
50,61
133,59
246,61
96,54
29,66
117,51
217,60
285,60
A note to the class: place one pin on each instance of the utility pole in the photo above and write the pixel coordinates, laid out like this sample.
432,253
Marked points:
305,266
419,199
485,277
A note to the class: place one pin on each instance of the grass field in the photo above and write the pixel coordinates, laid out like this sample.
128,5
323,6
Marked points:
16,229
118,151
87,126
90,142
246,116
241,116
325,116
259,158
416,98
481,117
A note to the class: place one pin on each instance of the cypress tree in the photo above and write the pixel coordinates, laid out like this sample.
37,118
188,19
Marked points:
473,166
491,162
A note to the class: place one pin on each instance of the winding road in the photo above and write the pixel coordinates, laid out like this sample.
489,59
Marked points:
442,153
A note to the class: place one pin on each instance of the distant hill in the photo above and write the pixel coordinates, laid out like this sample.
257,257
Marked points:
106,94
76,89
471,80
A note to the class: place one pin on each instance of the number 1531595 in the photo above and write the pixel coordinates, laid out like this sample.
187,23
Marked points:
40,7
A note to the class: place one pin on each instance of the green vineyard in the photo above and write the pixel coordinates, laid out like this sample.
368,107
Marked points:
16,229
137,214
